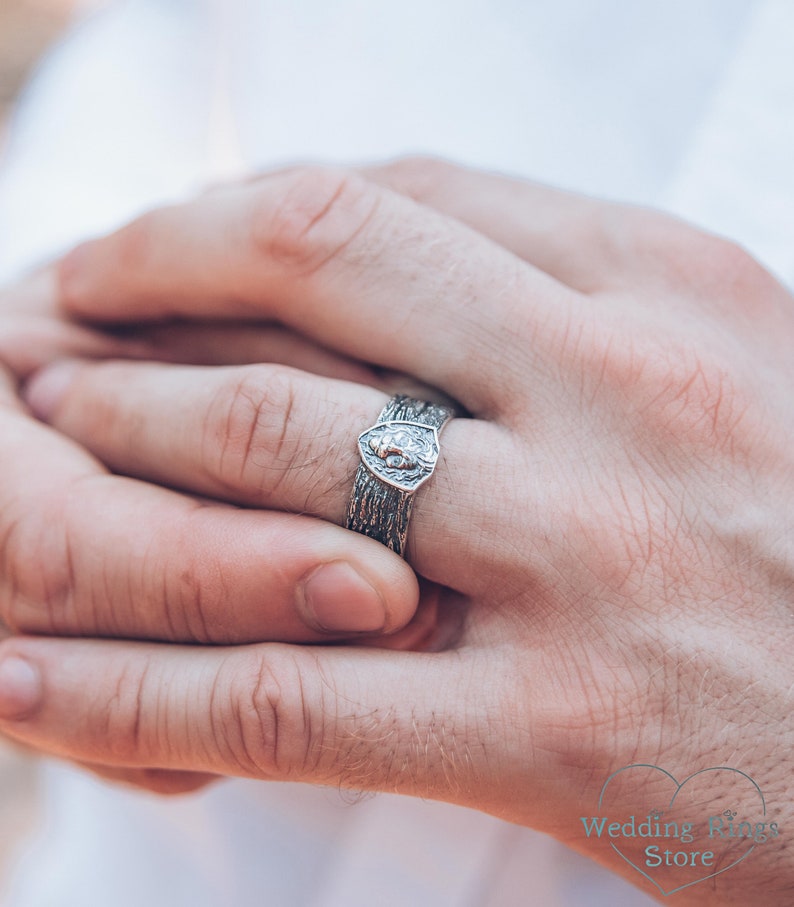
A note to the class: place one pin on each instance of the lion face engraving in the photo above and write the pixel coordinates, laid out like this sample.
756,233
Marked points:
402,454
401,449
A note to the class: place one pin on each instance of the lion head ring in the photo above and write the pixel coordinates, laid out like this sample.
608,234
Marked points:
398,454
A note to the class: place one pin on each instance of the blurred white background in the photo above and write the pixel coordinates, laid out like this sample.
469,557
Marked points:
27,29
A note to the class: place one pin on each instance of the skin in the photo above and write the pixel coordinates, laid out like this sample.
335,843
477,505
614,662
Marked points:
609,538
59,574
57,567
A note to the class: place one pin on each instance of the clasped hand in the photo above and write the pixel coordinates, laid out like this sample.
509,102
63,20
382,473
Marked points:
605,553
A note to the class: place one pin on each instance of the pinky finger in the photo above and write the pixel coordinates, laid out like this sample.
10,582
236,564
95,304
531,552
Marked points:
316,714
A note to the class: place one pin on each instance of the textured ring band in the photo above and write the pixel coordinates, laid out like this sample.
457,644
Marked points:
398,454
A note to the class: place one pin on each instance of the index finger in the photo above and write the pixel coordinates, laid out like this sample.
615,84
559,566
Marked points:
356,266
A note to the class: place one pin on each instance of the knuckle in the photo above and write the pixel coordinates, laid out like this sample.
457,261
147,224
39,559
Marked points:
14,577
713,263
734,282
132,248
186,596
37,576
264,720
135,243
721,261
133,724
320,214
248,439
652,237
694,258
261,438
419,177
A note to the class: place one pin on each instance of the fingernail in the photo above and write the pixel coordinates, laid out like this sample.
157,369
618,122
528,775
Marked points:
335,598
20,688
45,390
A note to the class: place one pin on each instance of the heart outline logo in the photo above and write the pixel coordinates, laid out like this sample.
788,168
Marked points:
678,787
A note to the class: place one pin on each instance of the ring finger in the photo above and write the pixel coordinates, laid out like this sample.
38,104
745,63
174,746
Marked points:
261,436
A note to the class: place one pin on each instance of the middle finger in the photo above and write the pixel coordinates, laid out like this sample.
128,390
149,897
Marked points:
363,270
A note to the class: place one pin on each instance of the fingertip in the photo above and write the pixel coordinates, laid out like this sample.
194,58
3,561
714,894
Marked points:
45,391
21,687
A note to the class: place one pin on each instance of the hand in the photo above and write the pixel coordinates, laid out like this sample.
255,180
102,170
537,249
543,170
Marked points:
88,553
616,516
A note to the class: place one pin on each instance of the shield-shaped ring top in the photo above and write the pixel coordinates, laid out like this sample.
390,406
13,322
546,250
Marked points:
402,454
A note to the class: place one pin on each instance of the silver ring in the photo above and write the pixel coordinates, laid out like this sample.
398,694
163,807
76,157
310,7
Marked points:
398,454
